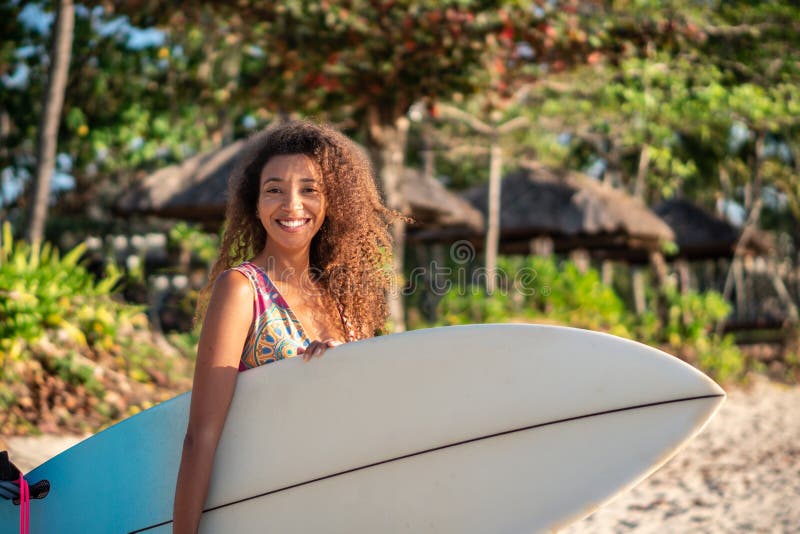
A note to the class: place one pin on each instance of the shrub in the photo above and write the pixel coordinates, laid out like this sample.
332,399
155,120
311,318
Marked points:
539,289
71,353
536,288
40,290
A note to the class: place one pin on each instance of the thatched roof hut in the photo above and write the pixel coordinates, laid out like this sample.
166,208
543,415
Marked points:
573,210
434,206
196,190
700,234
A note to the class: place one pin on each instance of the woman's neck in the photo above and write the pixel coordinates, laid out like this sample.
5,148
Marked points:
286,266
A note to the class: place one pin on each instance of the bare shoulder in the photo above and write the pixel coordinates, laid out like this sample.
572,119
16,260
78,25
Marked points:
227,320
232,284
230,303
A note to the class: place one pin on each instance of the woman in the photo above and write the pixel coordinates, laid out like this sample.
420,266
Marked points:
305,211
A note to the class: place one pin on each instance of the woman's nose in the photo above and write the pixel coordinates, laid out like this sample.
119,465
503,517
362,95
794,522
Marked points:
292,200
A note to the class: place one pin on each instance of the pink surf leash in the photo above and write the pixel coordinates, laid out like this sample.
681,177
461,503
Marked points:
24,506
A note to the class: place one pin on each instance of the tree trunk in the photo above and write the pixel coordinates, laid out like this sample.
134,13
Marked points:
641,173
428,155
493,132
51,116
493,225
741,291
753,204
660,269
663,282
388,147
783,293
613,173
5,131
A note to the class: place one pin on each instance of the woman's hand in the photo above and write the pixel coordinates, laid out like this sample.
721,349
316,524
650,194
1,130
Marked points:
316,348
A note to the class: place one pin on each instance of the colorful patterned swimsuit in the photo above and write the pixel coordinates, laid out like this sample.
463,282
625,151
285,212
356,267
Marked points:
276,332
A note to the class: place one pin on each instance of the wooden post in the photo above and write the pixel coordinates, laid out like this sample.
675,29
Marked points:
581,259
659,268
783,293
709,277
738,281
541,246
682,266
608,272
638,282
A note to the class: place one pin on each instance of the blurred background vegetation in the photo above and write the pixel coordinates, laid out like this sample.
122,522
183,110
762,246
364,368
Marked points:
658,144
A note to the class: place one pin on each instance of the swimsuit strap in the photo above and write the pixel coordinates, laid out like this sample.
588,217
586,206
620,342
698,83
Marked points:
266,288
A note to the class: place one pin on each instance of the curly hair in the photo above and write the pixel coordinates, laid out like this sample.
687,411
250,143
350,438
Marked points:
351,254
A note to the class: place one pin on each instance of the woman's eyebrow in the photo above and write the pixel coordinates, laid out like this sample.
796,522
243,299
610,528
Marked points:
279,179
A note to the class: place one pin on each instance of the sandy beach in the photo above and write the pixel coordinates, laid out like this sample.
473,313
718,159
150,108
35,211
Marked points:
741,474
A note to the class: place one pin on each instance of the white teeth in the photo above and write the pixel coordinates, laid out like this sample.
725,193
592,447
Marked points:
293,223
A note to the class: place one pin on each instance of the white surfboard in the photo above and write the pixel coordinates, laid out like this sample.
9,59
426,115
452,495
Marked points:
481,428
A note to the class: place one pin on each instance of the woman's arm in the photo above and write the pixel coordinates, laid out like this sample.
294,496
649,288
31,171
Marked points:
222,339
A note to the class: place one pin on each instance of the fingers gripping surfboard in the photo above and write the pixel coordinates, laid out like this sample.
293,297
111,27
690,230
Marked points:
478,428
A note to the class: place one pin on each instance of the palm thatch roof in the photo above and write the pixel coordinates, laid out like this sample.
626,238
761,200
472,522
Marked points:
700,234
196,189
572,209
434,206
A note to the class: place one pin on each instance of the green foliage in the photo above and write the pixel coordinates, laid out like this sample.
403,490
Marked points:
689,315
569,295
65,333
44,291
192,240
691,318
538,289
127,107
130,108
71,371
186,342
472,305
678,87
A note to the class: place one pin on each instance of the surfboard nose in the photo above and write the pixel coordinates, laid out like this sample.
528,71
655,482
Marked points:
708,407
702,384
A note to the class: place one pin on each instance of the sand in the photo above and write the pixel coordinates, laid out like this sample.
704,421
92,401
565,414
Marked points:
29,451
741,474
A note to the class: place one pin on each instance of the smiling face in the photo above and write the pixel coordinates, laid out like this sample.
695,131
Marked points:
291,203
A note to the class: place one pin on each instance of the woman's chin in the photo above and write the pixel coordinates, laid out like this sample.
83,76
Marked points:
290,239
